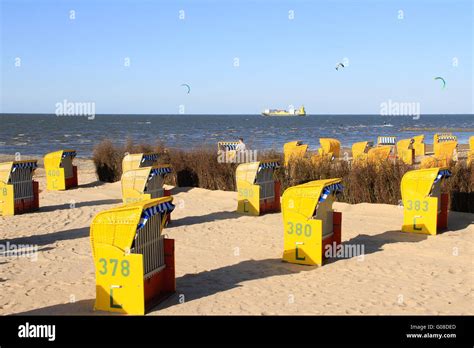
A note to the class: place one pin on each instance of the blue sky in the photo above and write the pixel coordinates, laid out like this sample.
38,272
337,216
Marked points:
281,61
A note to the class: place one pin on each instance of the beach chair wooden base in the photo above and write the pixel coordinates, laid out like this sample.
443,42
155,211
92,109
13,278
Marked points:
72,182
161,285
28,205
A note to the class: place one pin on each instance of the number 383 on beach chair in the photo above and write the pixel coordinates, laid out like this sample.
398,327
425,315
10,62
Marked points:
310,224
134,262
60,173
425,208
258,191
18,191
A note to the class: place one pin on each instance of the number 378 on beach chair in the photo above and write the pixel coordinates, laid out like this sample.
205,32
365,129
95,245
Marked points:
18,191
310,224
60,173
425,208
134,262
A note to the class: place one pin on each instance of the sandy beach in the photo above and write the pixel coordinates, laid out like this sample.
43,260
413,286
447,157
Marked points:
231,264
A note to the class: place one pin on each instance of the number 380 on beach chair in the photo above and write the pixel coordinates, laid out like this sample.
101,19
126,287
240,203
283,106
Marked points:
18,191
134,262
258,191
425,208
60,173
311,226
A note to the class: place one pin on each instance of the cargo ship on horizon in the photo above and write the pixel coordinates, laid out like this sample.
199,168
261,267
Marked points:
274,112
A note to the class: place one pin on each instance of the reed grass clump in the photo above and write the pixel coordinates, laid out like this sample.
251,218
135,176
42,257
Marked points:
365,182
108,161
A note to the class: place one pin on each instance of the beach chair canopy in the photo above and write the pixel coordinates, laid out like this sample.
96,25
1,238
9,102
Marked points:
419,183
361,148
405,144
53,159
227,145
379,153
330,146
139,160
306,197
419,138
7,168
248,171
294,149
419,145
146,180
126,221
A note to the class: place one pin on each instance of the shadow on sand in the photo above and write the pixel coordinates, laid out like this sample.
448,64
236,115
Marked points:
64,206
50,238
374,243
83,307
96,183
459,221
200,219
207,283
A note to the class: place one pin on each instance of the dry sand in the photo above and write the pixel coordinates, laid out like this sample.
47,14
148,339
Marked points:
231,264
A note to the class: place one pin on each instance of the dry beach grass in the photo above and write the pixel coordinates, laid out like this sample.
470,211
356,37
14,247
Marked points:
231,264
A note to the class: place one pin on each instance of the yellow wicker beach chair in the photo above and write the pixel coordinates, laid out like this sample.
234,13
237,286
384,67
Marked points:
330,148
470,156
19,193
360,150
440,138
445,150
425,208
379,153
257,190
144,183
405,150
294,150
419,145
311,227
134,262
139,160
61,174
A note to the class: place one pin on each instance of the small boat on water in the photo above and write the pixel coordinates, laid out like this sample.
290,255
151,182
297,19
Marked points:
292,112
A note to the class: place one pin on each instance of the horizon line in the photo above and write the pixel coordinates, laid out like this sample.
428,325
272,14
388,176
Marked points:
220,114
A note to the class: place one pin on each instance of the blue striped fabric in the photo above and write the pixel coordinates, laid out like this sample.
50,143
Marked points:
150,157
229,146
69,154
266,165
159,171
22,165
442,174
444,138
157,209
334,188
387,140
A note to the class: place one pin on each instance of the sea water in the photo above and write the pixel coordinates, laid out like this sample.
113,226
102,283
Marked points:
38,134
